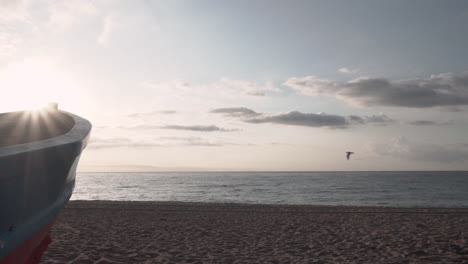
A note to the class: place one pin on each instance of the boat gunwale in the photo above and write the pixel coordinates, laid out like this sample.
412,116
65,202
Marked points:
79,131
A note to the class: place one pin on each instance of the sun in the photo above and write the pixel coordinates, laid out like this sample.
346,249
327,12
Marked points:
33,84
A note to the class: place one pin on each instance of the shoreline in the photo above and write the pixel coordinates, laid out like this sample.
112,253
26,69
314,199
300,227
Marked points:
74,203
192,232
220,206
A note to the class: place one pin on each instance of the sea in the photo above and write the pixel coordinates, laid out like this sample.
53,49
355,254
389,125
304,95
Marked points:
389,188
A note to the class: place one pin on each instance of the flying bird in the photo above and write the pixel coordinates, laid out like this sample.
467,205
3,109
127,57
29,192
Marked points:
348,154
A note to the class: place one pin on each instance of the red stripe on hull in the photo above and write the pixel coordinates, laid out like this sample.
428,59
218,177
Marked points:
31,250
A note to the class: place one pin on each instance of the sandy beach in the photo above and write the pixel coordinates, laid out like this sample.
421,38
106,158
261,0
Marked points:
173,232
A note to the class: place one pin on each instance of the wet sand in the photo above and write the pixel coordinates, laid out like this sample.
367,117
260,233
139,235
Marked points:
172,232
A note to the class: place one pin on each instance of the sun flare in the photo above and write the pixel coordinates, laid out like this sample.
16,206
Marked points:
33,84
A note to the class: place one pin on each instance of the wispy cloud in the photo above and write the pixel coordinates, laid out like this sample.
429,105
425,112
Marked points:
164,141
172,85
198,142
176,138
198,128
64,14
247,88
223,87
190,141
256,93
348,70
235,112
404,149
12,10
13,17
149,114
33,20
131,25
9,42
443,90
380,119
422,123
429,123
110,24
109,143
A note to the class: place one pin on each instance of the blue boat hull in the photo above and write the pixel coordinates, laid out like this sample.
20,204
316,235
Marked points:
36,180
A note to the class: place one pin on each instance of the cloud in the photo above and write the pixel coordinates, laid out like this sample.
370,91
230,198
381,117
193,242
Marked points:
235,112
164,141
167,112
14,26
135,25
176,84
197,142
9,42
142,127
429,123
190,141
443,90
254,93
356,119
310,85
198,128
405,149
422,123
348,71
109,25
13,10
225,87
149,114
23,22
380,119
297,118
248,88
170,138
110,143
64,14
203,144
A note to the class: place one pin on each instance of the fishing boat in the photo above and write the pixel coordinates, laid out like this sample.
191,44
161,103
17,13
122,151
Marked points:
39,153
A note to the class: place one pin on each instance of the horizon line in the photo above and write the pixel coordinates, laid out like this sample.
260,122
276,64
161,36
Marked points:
212,171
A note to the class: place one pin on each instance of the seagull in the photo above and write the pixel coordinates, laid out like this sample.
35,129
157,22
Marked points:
348,154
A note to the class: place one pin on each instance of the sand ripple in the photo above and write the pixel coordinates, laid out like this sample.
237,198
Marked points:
145,232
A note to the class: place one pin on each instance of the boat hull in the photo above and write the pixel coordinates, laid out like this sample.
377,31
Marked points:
31,250
36,180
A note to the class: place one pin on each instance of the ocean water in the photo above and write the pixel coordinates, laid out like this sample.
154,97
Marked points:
428,189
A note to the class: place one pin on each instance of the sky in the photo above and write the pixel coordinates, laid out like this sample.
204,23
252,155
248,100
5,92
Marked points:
247,85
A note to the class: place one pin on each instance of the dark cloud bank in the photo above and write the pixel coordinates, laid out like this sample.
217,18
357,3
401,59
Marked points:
297,118
443,90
